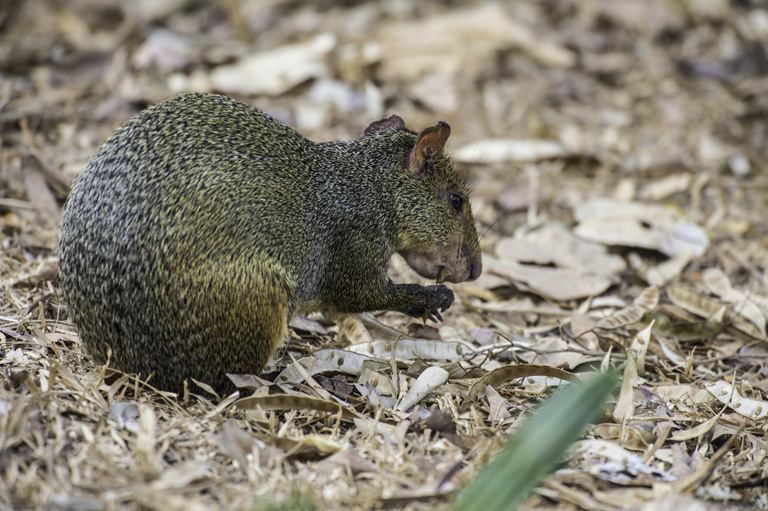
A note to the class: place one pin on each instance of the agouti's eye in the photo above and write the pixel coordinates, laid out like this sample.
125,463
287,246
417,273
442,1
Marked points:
456,201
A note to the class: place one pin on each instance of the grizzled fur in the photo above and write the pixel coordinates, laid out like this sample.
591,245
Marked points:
202,225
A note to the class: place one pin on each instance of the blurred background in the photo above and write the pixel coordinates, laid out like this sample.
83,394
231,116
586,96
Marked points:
604,97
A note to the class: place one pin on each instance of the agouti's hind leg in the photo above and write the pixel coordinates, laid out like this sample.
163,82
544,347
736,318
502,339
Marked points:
242,315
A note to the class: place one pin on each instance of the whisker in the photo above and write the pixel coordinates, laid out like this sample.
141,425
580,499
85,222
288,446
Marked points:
499,217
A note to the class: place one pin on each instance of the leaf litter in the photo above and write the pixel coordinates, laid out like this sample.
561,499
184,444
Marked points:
617,153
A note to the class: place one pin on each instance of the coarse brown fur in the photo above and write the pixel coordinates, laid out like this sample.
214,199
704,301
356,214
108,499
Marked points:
202,225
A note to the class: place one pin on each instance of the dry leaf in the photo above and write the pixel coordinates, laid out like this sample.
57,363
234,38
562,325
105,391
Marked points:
329,360
638,225
640,347
695,432
348,458
294,402
353,329
497,405
181,476
717,283
514,372
671,355
711,309
408,49
507,150
552,244
410,349
666,186
554,283
625,403
235,442
750,408
645,302
627,436
670,269
270,72
427,381
683,392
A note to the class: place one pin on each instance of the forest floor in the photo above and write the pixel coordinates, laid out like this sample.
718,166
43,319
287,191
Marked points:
618,154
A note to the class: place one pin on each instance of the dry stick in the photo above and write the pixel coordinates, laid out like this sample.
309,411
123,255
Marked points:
573,496
648,454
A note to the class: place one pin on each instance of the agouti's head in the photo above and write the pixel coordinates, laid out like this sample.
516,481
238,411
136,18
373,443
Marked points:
436,232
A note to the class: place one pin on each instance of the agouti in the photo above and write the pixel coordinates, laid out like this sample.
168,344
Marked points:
203,225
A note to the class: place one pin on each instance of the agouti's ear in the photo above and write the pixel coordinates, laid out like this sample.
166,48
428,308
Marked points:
394,122
428,146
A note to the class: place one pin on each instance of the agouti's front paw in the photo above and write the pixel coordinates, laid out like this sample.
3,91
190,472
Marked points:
437,299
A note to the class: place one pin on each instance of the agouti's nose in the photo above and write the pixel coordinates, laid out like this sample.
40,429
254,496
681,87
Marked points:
474,270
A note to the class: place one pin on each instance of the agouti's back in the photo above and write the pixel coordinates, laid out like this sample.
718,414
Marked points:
202,225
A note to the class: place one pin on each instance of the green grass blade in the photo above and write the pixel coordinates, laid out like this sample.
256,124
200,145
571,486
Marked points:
536,449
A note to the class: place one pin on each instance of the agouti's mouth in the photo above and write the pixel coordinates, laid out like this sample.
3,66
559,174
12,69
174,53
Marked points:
431,267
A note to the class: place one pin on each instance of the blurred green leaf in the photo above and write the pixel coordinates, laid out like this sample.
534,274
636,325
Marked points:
536,449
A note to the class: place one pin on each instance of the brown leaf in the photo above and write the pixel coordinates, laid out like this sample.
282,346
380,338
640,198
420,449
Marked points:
514,372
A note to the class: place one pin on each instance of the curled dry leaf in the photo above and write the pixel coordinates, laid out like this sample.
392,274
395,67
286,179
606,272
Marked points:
686,393
410,349
427,381
379,381
625,403
645,302
695,432
671,355
626,316
294,402
670,269
514,372
750,408
717,283
498,406
648,299
353,329
321,361
712,309
640,347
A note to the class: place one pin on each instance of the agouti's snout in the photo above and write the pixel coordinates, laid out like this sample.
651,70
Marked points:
475,268
464,269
